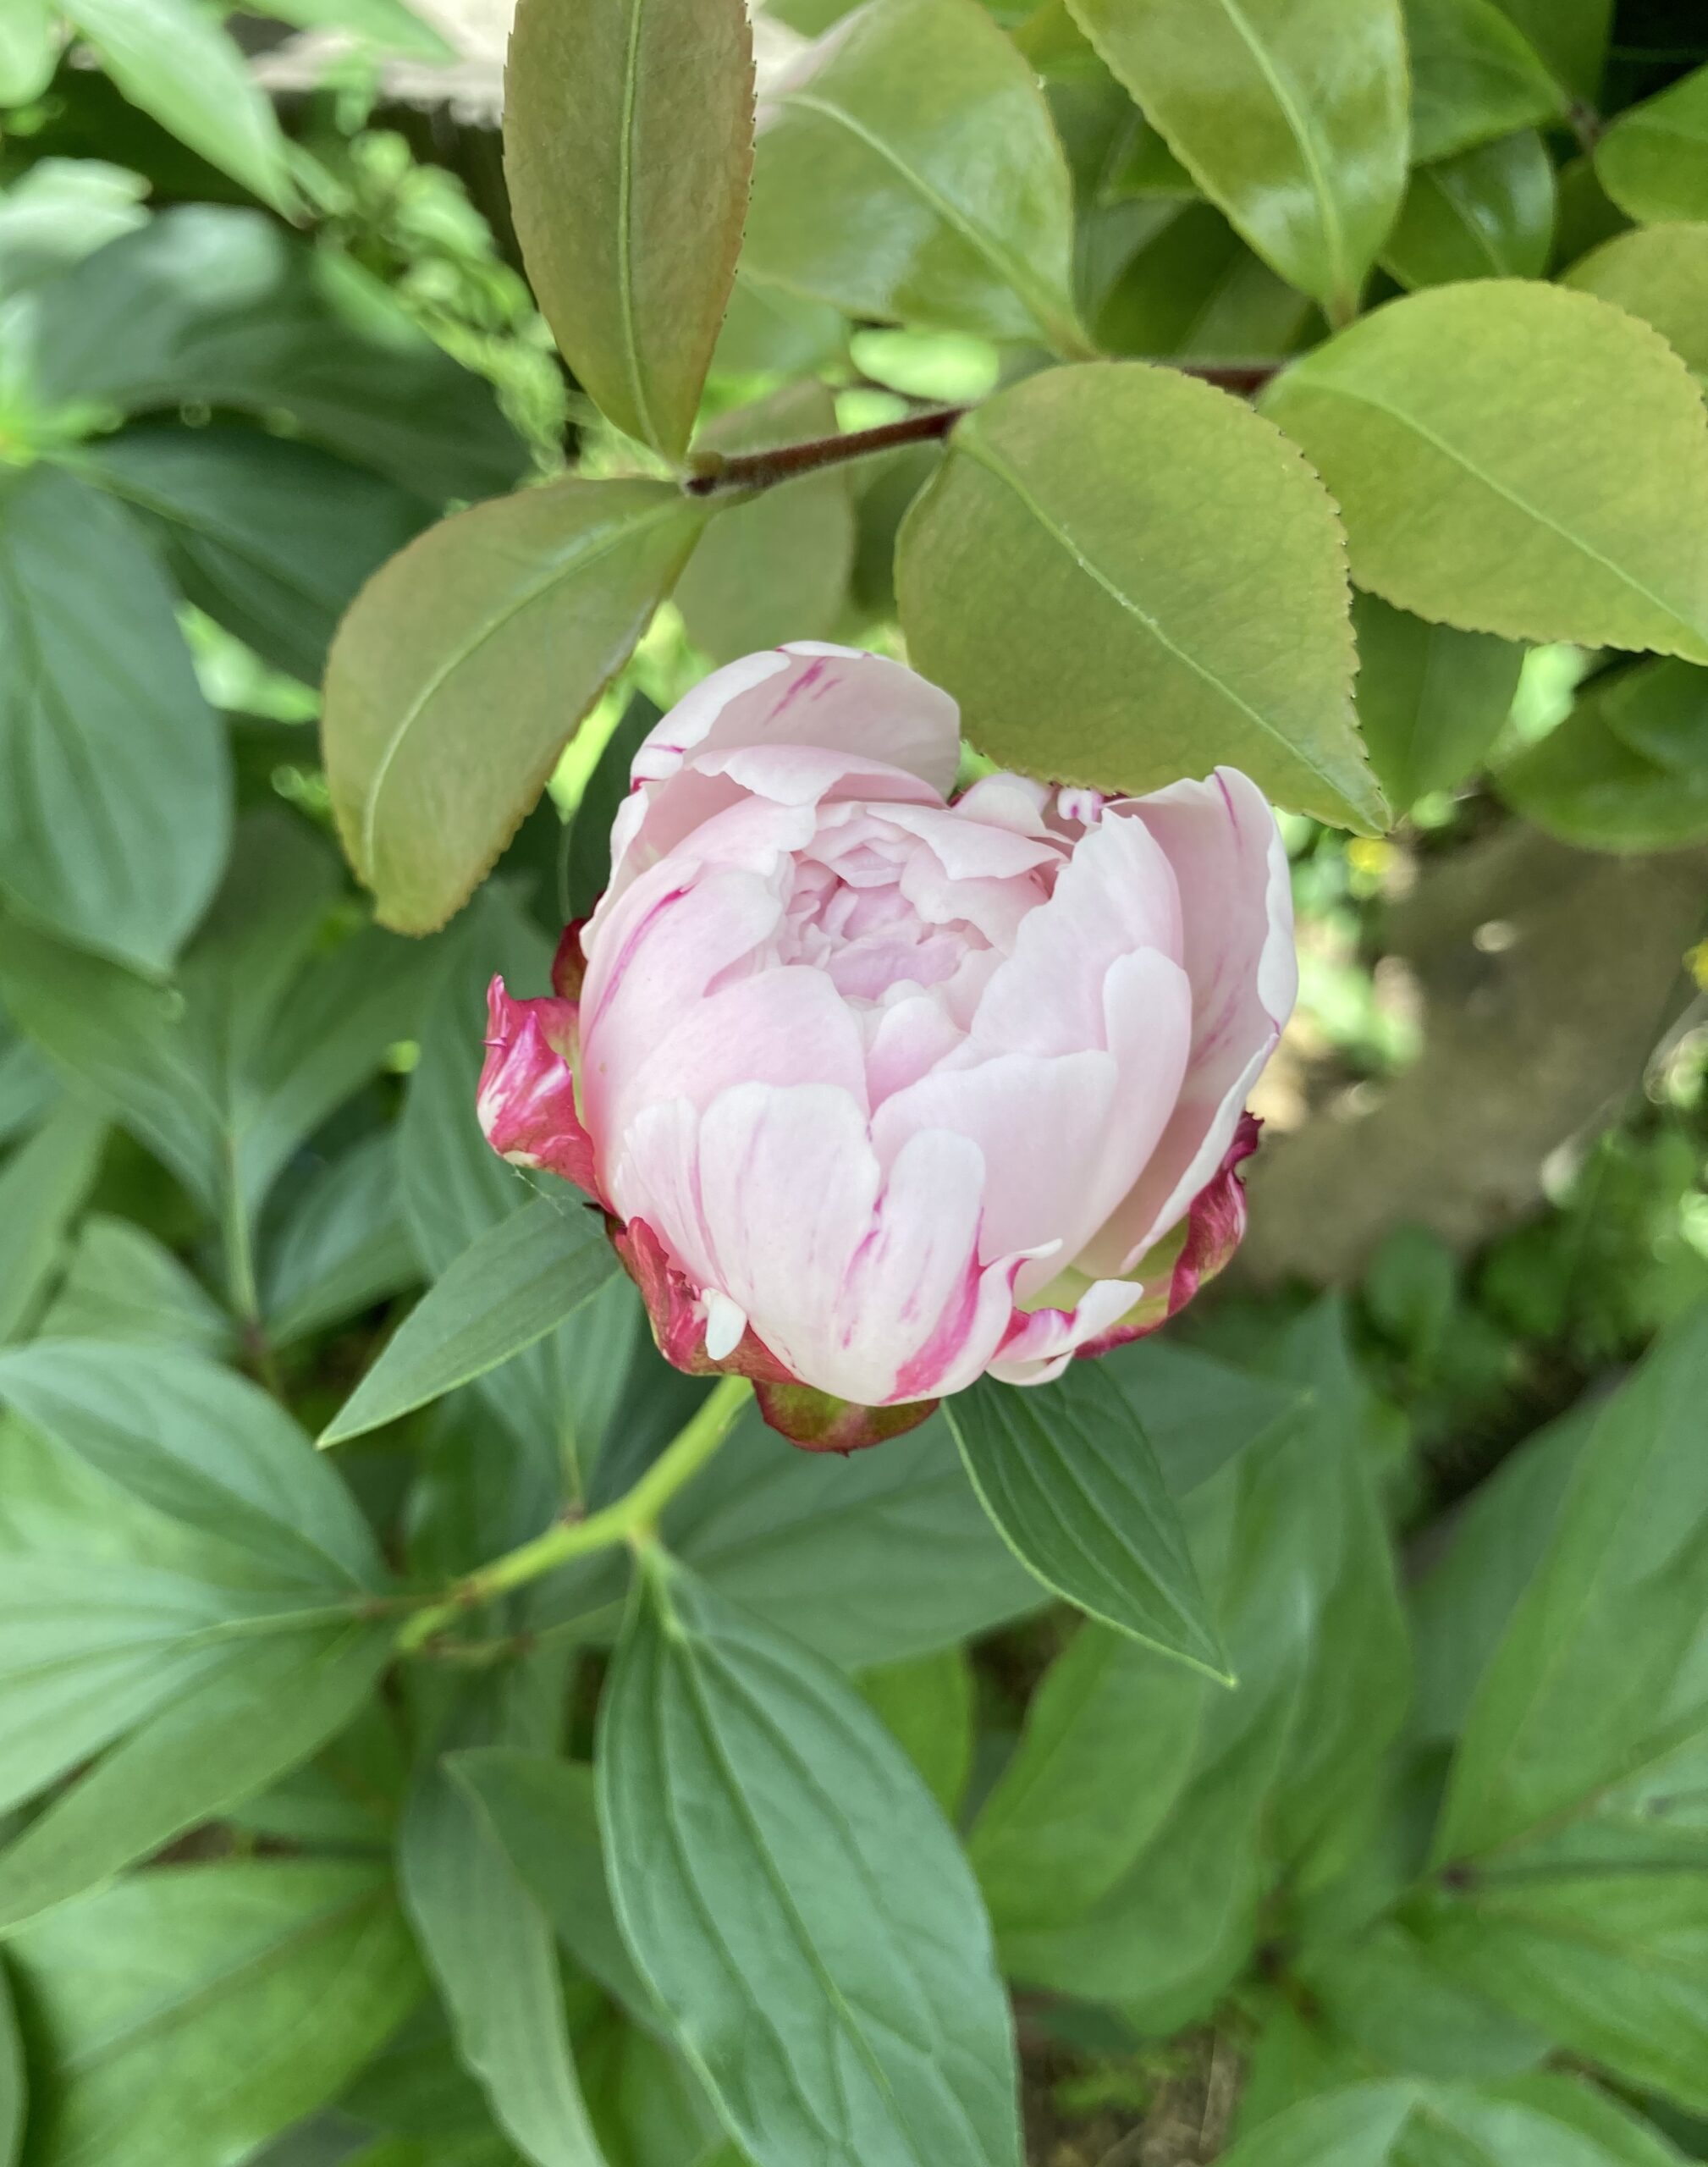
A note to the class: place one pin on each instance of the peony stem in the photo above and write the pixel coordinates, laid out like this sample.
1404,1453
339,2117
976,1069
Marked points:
632,1517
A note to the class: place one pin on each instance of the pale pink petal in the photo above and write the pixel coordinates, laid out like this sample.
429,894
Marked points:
1041,1343
907,1037
1222,838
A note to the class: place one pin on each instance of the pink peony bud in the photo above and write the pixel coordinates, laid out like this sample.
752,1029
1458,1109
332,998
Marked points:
882,1090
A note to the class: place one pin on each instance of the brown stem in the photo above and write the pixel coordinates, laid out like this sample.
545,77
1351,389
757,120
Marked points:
717,475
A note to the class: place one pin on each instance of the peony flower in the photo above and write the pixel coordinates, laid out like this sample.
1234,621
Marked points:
883,1089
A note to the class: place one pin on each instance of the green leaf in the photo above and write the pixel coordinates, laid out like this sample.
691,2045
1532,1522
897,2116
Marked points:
795,1900
491,1949
122,1284
1658,273
1066,578
13,2083
514,1286
1292,118
587,854
464,666
1534,2120
179,66
43,1185
927,1706
61,210
272,539
1628,769
1070,1479
628,145
184,2016
343,1245
28,54
907,171
1437,423
1486,213
776,569
1474,78
226,308
1571,36
1653,161
1430,699
769,331
386,23
106,744
1194,291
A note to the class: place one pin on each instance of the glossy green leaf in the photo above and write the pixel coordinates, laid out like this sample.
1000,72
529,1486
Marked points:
628,145
1549,2121
1653,161
927,1706
272,539
464,666
1486,213
180,67
188,2015
776,569
227,308
907,170
515,1284
107,745
795,1900
120,1283
42,1185
491,1949
1628,769
1193,291
1430,698
1475,77
28,54
1658,273
1066,578
1070,1479
1437,423
1293,119
1571,36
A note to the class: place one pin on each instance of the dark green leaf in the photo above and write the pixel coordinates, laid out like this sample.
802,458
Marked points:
464,666
181,67
1543,2121
907,171
226,308
795,1900
1066,578
120,1283
1070,1479
628,145
272,539
1475,77
517,1282
1628,769
184,2016
1571,36
586,865
1653,161
42,1185
1437,423
344,1246
927,1706
1486,213
13,2081
1292,118
1661,273
62,209
1194,291
1430,699
106,744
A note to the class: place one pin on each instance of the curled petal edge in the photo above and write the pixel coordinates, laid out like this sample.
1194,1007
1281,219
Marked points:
526,1099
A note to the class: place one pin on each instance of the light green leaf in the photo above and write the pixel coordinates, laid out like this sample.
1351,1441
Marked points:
1571,36
1658,273
1437,423
61,210
1653,161
1065,576
776,569
343,1245
227,309
386,23
1195,291
179,66
107,745
1628,769
1552,2119
464,666
1292,118
795,1900
192,2013
769,331
120,1283
1070,1479
587,850
927,1706
907,170
1486,213
28,54
1430,699
1474,78
628,145
41,1187
272,539
490,1947
517,1283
